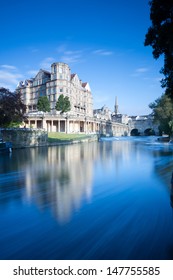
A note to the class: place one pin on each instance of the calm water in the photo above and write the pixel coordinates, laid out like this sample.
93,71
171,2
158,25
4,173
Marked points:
106,200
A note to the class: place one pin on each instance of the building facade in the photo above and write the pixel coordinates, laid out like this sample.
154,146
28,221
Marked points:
53,84
81,118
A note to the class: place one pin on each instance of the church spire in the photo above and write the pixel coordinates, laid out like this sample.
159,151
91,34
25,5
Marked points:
116,106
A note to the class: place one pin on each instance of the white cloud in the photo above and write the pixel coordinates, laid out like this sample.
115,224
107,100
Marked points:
71,58
102,52
32,73
158,79
35,50
9,79
9,67
78,56
61,48
46,63
141,70
77,52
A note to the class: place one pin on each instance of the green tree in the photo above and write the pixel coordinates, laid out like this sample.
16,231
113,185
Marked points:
12,109
163,114
43,104
160,38
63,104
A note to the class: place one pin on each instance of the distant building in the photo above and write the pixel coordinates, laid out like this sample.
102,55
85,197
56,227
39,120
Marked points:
116,106
120,118
117,117
103,113
138,125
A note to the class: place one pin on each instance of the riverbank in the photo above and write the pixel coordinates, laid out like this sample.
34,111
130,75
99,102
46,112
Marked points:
28,138
58,138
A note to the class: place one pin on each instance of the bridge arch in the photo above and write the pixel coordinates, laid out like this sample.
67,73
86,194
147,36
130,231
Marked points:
135,132
149,131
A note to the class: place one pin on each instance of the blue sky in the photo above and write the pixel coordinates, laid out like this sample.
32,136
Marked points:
102,41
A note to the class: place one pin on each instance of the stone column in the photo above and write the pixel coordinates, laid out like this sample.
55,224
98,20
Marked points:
67,125
85,127
94,127
58,125
73,126
44,124
51,124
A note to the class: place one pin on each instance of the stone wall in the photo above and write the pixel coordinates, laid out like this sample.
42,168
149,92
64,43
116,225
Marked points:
24,137
142,125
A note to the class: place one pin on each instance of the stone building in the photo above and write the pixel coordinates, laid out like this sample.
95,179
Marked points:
103,113
120,118
81,118
52,84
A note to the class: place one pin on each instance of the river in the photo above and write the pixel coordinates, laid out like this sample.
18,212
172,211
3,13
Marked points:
102,200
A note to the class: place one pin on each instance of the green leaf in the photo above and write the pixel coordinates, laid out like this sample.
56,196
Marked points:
63,104
43,104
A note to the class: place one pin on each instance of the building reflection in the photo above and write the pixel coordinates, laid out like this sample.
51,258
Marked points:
61,178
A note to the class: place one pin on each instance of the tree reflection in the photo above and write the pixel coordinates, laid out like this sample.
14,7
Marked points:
171,196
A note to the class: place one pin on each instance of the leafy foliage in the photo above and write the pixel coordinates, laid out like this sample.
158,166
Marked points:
163,113
12,109
43,104
63,104
160,38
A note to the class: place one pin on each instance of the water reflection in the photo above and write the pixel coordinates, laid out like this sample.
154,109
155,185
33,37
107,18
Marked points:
171,197
61,178
106,200
57,177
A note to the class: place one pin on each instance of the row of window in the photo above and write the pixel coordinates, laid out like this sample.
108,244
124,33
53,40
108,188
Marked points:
60,76
76,100
40,82
54,90
60,69
57,83
51,87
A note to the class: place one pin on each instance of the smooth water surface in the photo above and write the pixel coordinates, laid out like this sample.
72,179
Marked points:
105,200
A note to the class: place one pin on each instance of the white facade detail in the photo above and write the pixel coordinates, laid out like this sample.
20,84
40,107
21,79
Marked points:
53,84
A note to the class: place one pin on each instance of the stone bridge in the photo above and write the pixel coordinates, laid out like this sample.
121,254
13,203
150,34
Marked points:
134,128
143,126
